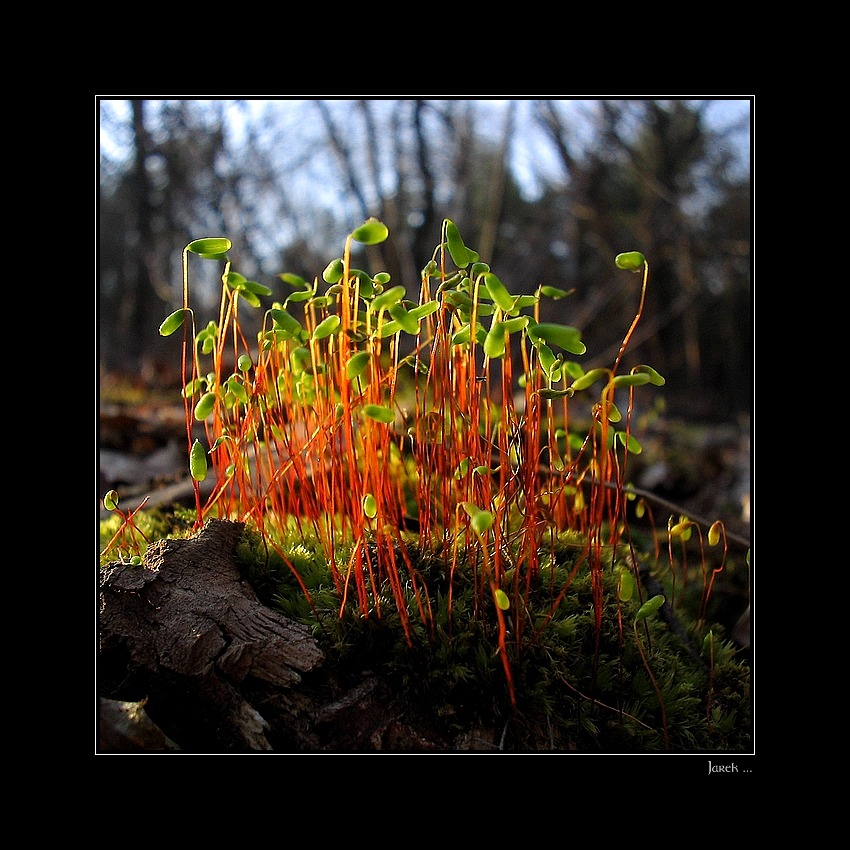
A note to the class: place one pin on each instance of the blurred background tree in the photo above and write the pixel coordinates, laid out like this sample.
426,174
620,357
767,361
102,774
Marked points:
547,191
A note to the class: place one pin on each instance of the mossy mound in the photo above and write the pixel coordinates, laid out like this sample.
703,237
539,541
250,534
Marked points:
659,684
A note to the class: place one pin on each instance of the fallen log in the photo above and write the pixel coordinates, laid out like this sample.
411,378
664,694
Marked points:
191,661
185,632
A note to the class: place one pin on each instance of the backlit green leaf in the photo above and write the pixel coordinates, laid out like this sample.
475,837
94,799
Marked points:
553,292
365,284
563,336
654,378
458,299
370,506
501,598
462,337
714,533
388,329
326,327
386,299
173,322
627,585
457,279
513,326
300,296
198,461
301,360
523,301
235,386
213,247
424,310
256,288
589,379
649,607
460,254
479,520
636,380
630,442
371,232
498,293
548,362
632,261
205,406
294,280
333,271
407,322
357,365
494,342
379,413
248,296
286,321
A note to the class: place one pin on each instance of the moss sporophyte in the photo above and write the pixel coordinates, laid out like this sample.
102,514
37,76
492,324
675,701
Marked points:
436,456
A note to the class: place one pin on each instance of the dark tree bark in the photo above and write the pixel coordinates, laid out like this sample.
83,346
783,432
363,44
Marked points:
185,643
192,634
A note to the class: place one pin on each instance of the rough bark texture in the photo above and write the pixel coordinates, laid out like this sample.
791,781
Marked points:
191,660
189,632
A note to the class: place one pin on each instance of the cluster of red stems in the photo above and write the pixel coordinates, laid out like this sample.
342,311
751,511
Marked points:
367,415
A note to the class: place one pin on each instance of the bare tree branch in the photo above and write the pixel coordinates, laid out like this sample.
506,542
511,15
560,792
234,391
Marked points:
548,117
492,213
343,153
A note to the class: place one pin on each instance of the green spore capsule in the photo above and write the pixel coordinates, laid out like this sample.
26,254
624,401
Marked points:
627,586
212,248
205,406
357,365
326,327
649,607
379,413
198,462
172,323
632,261
370,506
460,254
333,271
371,232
